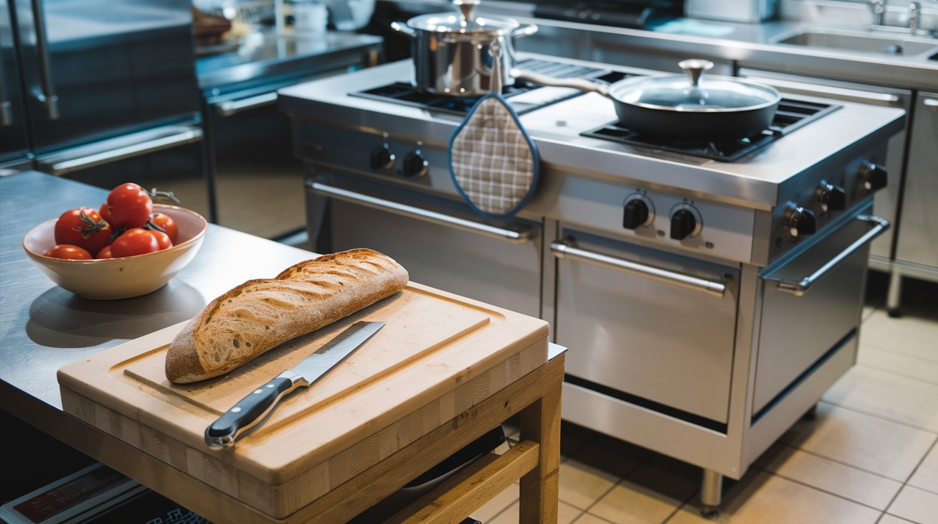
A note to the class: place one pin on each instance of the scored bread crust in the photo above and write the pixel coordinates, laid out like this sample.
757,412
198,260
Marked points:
261,314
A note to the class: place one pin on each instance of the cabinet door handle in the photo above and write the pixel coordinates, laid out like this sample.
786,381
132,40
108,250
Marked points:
522,235
47,96
6,107
567,249
150,144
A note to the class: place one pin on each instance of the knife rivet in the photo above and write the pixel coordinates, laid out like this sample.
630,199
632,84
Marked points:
236,410
258,392
270,385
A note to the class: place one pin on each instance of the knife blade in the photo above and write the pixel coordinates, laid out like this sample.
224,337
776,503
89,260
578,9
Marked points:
251,411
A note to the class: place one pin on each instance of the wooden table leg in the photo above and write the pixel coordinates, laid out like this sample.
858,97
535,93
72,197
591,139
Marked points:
540,488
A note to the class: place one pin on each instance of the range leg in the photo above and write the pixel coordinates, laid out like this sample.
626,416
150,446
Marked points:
894,295
711,492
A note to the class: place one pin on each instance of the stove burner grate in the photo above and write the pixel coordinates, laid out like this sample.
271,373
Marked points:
791,115
406,94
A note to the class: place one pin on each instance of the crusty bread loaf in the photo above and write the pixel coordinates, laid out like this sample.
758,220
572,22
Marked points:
260,314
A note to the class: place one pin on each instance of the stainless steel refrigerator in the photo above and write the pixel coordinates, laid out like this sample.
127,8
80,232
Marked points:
103,91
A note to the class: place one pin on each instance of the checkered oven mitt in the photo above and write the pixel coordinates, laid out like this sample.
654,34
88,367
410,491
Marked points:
493,161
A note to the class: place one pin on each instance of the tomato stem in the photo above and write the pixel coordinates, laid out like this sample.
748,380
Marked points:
163,196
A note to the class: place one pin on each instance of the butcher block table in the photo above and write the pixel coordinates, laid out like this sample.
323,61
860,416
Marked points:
444,371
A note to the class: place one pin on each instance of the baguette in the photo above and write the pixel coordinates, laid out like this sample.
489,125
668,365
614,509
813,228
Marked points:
261,314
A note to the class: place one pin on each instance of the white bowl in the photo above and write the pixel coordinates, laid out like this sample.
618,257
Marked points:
126,277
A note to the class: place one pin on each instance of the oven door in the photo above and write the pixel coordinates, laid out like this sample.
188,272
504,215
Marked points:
651,328
811,306
440,242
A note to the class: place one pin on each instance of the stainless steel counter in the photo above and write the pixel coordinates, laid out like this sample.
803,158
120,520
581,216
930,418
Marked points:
752,44
266,54
43,327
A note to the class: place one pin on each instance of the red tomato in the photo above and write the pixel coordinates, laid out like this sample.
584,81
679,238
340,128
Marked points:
105,213
129,206
104,253
68,251
162,239
137,241
83,227
167,224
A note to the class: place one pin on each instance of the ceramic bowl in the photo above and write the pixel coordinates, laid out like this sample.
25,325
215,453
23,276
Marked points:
116,278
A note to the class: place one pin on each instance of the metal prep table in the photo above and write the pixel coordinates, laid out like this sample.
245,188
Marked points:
43,327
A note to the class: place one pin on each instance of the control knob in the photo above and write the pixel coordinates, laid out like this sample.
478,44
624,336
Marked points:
382,157
872,176
830,197
683,224
636,212
415,164
800,221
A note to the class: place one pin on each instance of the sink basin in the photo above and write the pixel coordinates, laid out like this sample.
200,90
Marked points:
861,42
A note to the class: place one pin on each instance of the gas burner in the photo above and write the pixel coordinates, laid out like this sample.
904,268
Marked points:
791,115
406,94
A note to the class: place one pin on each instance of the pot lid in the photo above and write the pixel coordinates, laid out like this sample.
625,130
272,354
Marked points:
694,92
465,22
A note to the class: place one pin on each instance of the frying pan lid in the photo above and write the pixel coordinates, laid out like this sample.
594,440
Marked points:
694,92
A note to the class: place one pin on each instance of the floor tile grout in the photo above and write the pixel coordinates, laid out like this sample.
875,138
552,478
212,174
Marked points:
881,417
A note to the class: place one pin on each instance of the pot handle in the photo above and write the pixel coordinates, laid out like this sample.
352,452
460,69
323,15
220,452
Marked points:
576,83
525,30
404,28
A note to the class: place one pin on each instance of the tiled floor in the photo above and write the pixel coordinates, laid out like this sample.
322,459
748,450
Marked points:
869,456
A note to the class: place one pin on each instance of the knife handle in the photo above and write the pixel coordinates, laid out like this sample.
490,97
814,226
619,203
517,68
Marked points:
249,412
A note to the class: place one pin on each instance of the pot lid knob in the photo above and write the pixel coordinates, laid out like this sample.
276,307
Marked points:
466,7
695,67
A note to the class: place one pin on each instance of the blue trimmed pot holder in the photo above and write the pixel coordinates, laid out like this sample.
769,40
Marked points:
493,161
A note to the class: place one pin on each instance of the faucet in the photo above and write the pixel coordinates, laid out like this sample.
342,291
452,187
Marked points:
879,10
915,10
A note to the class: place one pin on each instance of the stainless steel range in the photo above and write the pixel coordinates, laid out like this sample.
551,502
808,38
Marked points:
709,293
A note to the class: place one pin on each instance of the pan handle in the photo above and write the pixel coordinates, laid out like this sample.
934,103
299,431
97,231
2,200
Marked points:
576,83
404,28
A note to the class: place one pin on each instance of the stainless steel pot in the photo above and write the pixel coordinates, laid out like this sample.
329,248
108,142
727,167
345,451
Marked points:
682,107
452,52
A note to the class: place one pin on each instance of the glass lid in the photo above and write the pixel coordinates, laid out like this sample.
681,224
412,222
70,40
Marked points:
464,22
694,93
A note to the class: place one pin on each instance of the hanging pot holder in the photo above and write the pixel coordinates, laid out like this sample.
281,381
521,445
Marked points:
493,161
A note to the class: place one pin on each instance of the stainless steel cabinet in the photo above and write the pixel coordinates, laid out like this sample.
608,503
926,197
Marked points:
917,248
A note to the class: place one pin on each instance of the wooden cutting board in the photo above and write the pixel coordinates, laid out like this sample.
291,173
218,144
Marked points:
438,355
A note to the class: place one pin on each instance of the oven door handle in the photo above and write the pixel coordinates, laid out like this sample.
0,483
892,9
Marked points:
232,107
800,287
522,235
567,249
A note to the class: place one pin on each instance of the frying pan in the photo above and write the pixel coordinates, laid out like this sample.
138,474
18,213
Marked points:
681,107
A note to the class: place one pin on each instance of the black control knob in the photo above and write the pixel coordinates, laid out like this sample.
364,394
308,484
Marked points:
636,213
872,177
415,164
800,221
382,157
831,197
683,224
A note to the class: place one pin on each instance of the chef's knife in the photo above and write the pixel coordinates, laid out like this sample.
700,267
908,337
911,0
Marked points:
253,409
